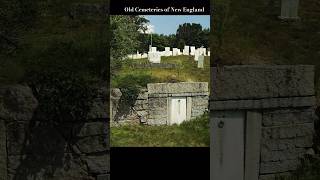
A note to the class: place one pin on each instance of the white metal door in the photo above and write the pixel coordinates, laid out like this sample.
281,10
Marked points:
227,145
178,112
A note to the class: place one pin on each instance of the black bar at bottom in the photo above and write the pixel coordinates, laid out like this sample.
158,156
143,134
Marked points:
160,163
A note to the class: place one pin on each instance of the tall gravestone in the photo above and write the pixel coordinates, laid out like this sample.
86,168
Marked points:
289,9
192,50
200,61
186,50
175,52
196,55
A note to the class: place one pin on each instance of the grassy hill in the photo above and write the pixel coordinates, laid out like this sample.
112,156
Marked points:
254,34
193,133
185,71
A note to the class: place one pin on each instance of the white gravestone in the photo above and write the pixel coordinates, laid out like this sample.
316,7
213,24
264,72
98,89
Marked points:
289,9
186,50
144,55
175,52
154,57
200,61
208,53
153,49
202,51
196,55
167,52
192,50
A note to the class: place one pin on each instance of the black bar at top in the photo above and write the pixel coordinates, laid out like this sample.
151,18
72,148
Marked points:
160,7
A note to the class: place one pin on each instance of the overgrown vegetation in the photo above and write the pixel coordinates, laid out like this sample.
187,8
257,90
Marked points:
251,33
130,85
193,133
186,71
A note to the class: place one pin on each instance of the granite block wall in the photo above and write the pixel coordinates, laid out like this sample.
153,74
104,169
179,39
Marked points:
284,97
31,148
152,103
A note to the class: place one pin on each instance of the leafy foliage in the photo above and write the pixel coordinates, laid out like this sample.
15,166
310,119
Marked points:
62,94
130,85
125,32
192,34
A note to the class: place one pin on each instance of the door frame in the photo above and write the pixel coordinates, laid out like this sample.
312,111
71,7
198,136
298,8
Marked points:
188,108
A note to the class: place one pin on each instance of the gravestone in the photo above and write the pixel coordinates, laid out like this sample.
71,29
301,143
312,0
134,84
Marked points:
289,9
144,55
167,52
175,52
153,49
154,57
192,50
186,50
200,61
196,55
202,51
208,53
179,52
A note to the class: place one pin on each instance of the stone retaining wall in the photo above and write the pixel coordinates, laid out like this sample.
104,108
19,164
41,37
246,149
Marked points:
284,98
151,106
32,148
159,94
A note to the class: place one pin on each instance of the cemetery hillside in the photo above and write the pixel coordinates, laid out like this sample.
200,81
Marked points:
250,32
159,81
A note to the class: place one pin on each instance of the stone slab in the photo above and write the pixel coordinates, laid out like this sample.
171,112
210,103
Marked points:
262,81
263,103
183,87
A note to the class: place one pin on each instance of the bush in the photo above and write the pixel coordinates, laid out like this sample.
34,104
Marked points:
130,85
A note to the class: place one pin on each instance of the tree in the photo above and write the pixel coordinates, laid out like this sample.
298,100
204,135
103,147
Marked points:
191,34
125,32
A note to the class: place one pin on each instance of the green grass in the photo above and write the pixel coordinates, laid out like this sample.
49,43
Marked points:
255,35
186,70
193,133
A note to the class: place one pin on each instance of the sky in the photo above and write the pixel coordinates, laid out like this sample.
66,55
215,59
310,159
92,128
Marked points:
168,24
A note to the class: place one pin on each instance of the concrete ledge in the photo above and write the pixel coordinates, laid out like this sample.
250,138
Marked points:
263,103
262,81
156,95
174,88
